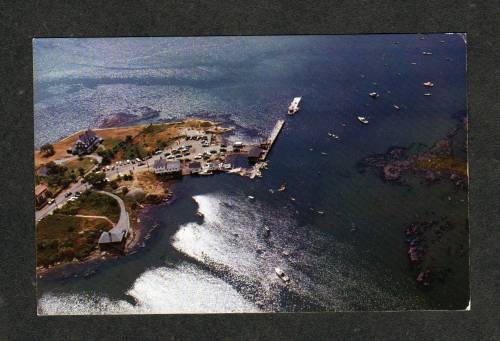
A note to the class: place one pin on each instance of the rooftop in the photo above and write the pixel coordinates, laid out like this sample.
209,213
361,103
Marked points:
39,189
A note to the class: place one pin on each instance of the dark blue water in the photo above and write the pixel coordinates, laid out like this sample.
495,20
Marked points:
225,263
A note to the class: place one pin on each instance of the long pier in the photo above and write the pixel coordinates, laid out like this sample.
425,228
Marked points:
272,137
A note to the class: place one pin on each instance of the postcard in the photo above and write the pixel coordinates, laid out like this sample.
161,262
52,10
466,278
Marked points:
247,174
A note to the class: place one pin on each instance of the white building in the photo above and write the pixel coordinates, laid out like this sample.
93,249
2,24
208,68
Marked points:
162,166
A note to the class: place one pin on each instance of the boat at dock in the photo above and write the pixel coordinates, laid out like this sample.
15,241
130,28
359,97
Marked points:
363,119
294,106
282,275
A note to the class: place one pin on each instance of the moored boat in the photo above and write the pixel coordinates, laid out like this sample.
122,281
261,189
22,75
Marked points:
294,106
363,119
281,274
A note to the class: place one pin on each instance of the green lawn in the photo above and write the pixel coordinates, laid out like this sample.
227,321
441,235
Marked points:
92,203
62,238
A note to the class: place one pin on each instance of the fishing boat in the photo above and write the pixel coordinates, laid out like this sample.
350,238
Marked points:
428,84
427,53
427,94
363,119
294,106
281,274
251,197
396,107
373,94
282,187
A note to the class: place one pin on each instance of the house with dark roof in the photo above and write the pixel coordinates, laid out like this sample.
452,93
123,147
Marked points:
86,144
162,166
194,167
41,195
254,154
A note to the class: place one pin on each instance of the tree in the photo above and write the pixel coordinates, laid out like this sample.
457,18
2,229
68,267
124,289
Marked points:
81,171
124,190
128,139
96,179
47,150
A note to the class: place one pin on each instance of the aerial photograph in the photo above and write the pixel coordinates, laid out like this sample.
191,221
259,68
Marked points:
251,174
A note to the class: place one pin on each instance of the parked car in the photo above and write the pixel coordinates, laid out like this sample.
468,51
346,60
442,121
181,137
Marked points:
68,194
51,201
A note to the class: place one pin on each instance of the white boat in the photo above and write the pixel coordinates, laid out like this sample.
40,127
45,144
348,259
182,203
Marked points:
281,274
427,94
428,84
251,197
362,119
294,106
373,94
427,53
396,107
333,135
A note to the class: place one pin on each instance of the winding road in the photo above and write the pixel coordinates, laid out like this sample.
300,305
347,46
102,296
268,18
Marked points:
122,226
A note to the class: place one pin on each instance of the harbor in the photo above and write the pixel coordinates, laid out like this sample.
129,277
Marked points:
336,232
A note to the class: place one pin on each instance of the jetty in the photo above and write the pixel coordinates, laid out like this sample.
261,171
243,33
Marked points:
272,138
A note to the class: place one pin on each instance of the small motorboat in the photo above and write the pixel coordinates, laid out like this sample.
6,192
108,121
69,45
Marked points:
332,135
324,154
321,212
396,106
425,53
427,94
428,84
267,231
281,274
251,197
373,94
282,187
199,214
363,119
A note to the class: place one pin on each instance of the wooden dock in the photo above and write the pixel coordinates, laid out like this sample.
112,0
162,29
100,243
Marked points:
272,138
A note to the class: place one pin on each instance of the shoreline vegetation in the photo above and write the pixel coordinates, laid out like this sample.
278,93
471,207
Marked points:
69,235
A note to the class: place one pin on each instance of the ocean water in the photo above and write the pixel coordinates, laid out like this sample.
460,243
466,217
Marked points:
224,263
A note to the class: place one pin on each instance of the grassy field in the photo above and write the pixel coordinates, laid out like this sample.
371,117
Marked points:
61,238
92,203
147,137
86,163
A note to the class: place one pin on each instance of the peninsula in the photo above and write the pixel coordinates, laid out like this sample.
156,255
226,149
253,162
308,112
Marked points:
91,184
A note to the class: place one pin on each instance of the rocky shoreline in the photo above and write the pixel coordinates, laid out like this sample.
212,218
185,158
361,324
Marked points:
432,164
432,244
118,119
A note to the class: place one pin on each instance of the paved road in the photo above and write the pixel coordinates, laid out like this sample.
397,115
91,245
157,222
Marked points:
75,157
123,224
61,199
